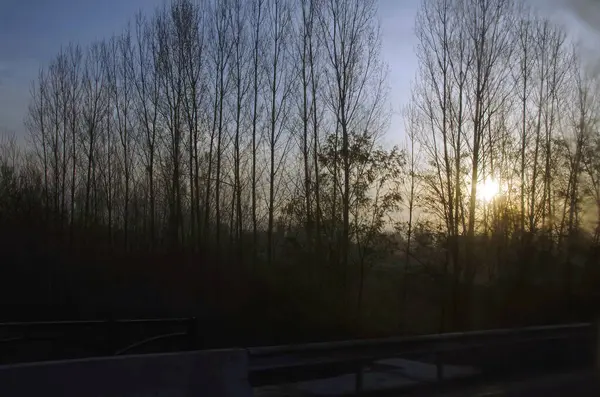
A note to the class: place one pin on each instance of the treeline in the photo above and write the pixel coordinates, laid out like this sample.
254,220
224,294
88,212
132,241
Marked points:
187,129
505,101
234,136
223,158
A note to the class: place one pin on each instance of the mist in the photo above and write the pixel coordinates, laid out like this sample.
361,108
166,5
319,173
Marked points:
586,11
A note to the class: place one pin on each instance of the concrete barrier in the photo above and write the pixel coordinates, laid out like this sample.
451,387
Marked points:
215,373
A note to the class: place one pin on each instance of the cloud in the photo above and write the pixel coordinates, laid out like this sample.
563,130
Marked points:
581,19
587,14
587,11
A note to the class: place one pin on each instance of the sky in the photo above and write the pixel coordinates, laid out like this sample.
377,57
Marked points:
32,32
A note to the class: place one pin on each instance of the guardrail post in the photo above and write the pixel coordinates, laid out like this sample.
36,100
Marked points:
439,366
359,379
597,344
110,337
191,333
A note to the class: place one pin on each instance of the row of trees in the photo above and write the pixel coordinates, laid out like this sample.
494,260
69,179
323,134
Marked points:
503,99
233,131
243,137
197,126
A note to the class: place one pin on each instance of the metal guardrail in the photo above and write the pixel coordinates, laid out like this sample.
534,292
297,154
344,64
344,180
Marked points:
83,323
155,329
150,340
293,363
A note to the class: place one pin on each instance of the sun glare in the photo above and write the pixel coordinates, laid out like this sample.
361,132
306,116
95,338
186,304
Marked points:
488,190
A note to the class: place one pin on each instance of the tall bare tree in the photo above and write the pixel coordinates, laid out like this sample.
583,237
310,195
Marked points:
356,91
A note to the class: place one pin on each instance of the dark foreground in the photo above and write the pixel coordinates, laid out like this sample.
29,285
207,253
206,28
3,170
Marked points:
573,384
417,379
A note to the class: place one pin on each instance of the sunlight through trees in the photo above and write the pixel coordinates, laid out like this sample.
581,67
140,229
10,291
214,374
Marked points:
243,139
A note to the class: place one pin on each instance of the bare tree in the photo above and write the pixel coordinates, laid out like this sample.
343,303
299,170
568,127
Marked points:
356,91
147,105
242,83
94,109
280,82
37,122
413,190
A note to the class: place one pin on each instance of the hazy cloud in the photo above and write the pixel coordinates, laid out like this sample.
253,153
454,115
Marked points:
587,11
581,19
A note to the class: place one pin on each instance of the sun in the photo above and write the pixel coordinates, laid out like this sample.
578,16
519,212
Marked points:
488,190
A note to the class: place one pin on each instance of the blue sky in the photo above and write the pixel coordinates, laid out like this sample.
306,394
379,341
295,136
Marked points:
32,32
